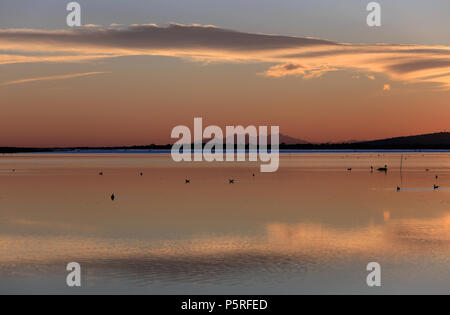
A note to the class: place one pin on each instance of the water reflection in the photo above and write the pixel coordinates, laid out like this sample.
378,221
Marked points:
311,227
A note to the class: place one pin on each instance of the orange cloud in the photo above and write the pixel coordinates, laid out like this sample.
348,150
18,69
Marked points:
55,77
307,72
304,57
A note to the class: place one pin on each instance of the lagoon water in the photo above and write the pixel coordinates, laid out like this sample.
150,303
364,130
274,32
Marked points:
311,227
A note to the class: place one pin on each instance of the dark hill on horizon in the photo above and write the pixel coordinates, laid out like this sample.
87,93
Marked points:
434,141
442,138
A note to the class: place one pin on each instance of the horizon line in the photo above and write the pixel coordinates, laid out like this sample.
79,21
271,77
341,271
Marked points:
170,144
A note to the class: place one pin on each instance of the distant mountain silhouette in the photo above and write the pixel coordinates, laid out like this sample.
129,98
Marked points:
283,140
434,139
289,140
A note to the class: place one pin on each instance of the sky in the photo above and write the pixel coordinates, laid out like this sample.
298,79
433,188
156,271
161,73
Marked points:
137,68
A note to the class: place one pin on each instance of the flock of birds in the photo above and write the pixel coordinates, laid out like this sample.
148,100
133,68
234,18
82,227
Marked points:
232,180
385,169
187,181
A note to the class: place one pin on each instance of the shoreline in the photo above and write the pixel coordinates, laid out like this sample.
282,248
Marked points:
281,151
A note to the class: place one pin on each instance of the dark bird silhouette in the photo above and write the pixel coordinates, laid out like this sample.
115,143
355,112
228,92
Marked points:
187,181
383,169
436,187
113,197
398,188
231,181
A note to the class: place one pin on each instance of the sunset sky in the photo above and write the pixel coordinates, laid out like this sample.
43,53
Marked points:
139,68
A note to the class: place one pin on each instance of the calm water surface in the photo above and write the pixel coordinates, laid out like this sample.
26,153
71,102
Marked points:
311,227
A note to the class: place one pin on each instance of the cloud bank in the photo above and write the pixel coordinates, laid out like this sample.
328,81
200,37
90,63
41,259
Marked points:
285,55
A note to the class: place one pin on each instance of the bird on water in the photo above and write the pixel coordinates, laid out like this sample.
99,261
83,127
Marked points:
383,169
